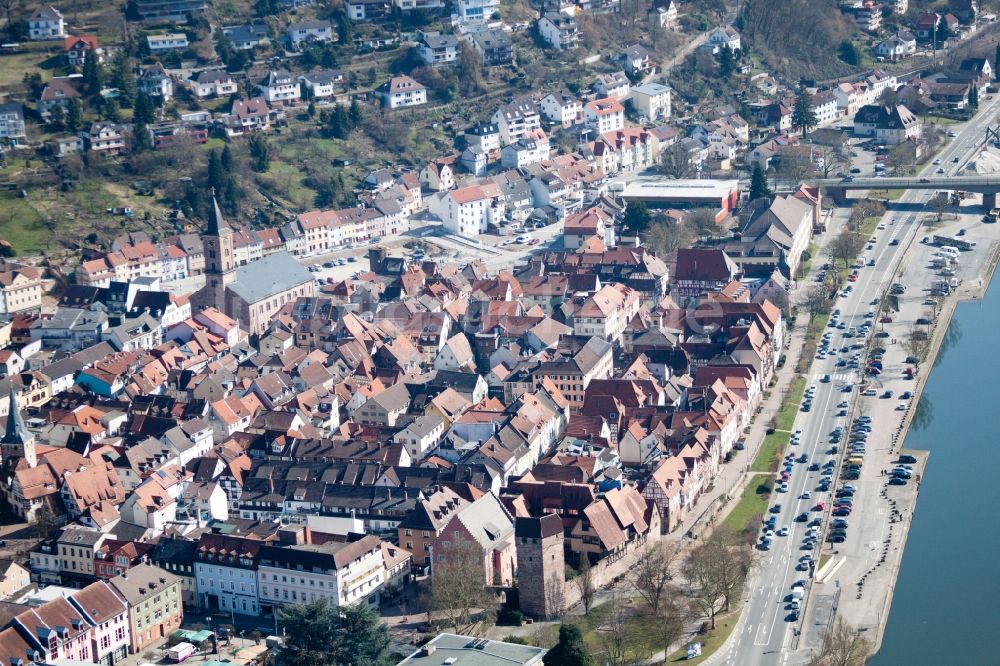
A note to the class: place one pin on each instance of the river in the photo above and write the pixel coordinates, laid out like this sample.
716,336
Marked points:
944,610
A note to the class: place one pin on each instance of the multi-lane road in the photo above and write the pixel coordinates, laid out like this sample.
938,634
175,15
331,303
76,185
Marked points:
766,635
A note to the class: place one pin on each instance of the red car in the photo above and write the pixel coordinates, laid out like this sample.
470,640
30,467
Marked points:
886,320
819,506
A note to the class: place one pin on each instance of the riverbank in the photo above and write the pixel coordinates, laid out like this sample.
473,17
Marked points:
864,595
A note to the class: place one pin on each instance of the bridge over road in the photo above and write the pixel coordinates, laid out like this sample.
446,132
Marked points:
988,186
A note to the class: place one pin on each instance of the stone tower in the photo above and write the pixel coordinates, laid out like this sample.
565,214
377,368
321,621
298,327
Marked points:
17,441
541,568
220,258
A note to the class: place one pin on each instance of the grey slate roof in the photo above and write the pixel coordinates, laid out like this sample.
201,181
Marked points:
266,277
143,582
469,651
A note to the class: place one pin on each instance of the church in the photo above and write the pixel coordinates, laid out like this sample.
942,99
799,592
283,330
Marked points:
252,293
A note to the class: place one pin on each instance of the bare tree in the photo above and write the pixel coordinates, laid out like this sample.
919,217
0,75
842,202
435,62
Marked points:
585,583
916,342
815,301
675,162
734,561
458,583
844,247
938,204
842,646
901,157
704,584
654,570
616,632
834,159
794,170
665,235
702,222
669,620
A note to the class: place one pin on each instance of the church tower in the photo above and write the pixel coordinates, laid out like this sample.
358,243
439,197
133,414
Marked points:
220,258
541,566
17,441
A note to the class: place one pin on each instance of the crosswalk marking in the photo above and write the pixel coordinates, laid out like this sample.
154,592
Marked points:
835,377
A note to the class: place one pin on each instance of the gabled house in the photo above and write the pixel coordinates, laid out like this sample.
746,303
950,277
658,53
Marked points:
897,47
312,30
562,108
107,137
280,87
559,31
494,47
76,49
322,83
46,22
616,85
637,61
437,49
487,525
889,123
57,92
154,81
213,83
723,37
604,115
402,91
246,37
515,120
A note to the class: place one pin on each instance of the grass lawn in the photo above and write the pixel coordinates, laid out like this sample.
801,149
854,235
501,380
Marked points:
869,224
790,405
21,225
753,502
711,641
13,67
816,325
784,420
641,631
769,452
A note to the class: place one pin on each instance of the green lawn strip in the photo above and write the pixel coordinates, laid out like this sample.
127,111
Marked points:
769,452
711,641
753,502
790,405
784,420
817,323
20,225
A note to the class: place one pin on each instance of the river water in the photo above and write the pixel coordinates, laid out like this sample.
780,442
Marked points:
946,607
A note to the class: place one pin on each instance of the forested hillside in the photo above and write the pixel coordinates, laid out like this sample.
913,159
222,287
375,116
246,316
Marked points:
798,38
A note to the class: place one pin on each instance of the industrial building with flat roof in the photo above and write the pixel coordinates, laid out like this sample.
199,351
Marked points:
664,193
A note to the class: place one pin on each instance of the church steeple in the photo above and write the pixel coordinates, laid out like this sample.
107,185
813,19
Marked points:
220,255
17,440
15,432
217,224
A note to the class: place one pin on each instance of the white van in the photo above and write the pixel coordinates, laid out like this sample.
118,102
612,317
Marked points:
798,593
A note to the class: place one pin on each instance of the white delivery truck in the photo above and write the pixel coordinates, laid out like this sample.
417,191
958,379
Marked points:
180,652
